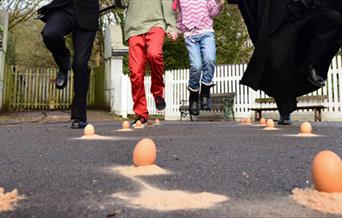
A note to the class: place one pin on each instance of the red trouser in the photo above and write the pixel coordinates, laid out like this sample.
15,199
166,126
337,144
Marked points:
142,48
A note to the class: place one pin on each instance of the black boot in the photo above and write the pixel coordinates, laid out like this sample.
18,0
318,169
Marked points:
285,107
193,103
285,120
313,76
61,79
205,97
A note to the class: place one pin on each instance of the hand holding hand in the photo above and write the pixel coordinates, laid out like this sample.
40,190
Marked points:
220,2
172,35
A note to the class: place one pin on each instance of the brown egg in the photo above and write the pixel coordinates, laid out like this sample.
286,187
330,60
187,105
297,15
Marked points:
157,122
306,128
149,123
138,124
243,120
89,130
327,172
263,121
145,153
270,123
125,124
248,120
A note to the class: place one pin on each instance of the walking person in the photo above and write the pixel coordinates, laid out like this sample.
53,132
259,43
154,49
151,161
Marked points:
195,21
147,23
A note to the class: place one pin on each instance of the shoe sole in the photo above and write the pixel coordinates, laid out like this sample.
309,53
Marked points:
61,87
285,124
314,83
77,127
205,108
65,84
161,111
197,114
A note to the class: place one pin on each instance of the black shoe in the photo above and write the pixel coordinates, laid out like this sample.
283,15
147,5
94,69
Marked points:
313,76
205,97
78,124
193,103
61,79
160,103
284,121
142,120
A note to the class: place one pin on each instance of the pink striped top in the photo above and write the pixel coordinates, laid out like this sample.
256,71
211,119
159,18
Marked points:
196,16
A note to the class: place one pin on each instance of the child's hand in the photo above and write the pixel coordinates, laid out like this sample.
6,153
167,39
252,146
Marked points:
172,35
221,2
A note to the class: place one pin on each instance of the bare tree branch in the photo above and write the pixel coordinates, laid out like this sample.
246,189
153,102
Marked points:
19,10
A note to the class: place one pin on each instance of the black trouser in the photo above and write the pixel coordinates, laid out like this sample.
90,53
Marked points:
320,30
61,22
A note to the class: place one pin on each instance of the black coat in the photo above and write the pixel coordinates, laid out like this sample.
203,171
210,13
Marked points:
86,11
262,18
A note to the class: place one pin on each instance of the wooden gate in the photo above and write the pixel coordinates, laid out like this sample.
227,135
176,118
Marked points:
34,88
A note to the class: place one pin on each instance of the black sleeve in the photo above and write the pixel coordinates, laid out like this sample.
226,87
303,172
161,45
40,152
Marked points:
248,9
338,5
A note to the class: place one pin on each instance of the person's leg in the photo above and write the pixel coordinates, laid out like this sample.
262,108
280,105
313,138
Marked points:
137,63
281,79
154,44
194,50
59,23
285,107
208,51
83,43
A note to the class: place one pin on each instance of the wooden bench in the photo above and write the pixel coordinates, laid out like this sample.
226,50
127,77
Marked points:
314,103
219,102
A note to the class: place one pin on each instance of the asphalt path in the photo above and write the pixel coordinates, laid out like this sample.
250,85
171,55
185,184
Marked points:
63,177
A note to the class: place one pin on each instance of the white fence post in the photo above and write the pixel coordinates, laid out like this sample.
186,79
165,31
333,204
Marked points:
3,47
117,84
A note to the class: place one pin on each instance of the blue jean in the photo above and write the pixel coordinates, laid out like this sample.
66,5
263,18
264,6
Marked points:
202,55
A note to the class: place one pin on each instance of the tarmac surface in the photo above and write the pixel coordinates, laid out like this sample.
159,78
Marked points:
63,177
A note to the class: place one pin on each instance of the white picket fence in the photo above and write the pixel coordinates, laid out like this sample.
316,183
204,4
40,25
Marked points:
34,88
227,79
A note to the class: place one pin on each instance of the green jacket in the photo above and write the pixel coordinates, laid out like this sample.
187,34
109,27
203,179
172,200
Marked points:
142,15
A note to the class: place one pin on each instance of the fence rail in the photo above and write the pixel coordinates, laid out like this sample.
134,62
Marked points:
34,88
